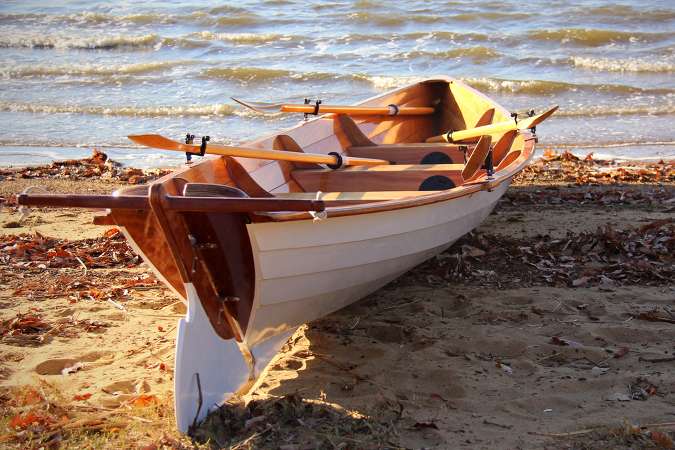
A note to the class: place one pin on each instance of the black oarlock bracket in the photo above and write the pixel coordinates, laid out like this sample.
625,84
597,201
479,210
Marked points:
530,113
489,164
202,148
338,164
515,116
189,139
316,107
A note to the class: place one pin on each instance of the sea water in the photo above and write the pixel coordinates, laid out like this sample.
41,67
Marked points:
76,75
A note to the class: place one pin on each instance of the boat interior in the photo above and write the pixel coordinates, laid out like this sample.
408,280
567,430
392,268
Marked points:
417,168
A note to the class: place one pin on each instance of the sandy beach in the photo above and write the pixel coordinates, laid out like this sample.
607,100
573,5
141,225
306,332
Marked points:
550,326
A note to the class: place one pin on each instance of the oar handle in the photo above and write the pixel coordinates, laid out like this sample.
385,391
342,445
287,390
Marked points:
390,110
333,160
501,127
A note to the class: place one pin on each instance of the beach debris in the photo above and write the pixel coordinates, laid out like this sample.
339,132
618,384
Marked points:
657,359
505,368
623,351
72,369
304,423
35,250
654,316
641,389
556,340
24,330
496,424
564,166
44,421
618,397
98,166
607,258
143,400
597,371
425,425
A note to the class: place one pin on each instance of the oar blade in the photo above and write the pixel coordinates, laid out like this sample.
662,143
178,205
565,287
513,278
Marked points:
503,145
158,141
477,158
260,107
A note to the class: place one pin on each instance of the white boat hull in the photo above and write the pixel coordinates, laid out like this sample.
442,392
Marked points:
304,271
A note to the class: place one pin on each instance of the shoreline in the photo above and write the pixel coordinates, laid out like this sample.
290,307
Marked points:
456,353
40,155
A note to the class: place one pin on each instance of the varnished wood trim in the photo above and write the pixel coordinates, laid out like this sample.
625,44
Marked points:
287,143
243,179
84,201
395,178
351,131
501,176
409,153
232,205
363,196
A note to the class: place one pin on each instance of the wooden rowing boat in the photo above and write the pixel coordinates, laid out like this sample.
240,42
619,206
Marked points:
257,247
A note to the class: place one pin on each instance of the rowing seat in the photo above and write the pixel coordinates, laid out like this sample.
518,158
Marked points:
403,153
353,198
402,177
212,190
334,198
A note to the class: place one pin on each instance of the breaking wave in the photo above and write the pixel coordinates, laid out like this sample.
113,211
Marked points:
221,15
246,38
595,37
472,17
80,43
155,111
592,111
543,87
625,13
391,19
247,74
90,70
652,65
477,54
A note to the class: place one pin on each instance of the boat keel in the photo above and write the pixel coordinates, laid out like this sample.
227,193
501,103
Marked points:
209,369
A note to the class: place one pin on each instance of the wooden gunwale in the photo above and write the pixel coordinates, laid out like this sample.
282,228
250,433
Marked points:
172,202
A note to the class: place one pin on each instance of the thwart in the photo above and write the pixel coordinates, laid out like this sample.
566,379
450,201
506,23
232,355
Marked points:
288,228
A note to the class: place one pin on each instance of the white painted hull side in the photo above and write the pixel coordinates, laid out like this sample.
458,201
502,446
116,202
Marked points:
308,269
304,271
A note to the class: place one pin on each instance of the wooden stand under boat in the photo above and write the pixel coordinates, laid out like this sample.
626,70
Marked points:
258,247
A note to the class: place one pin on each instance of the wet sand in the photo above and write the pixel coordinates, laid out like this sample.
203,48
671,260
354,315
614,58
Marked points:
478,348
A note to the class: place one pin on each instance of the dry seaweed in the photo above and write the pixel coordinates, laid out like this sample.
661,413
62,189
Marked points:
98,166
565,167
35,250
606,258
290,421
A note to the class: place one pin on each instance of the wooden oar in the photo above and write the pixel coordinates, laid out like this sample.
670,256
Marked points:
390,110
332,160
477,158
501,127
